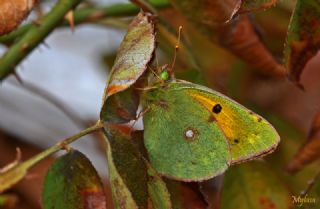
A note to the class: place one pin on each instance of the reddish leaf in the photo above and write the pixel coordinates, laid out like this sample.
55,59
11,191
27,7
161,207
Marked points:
207,12
134,54
72,182
13,12
212,190
303,40
238,36
250,5
184,196
241,39
310,150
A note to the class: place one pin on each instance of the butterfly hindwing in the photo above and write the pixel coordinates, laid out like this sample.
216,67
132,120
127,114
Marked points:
182,137
249,135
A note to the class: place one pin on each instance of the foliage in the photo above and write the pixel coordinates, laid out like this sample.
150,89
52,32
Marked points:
187,156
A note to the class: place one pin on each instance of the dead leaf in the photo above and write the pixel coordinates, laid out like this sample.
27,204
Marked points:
310,150
303,39
251,5
240,38
207,12
212,190
13,12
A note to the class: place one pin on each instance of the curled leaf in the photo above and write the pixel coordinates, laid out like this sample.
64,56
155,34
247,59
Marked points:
254,186
250,5
12,173
12,13
8,200
134,54
303,39
121,107
310,150
212,190
72,182
240,38
184,196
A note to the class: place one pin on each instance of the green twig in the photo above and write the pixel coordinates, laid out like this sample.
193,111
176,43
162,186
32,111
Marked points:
85,15
62,144
16,171
33,35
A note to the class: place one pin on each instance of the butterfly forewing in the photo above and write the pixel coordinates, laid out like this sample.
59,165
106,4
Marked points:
249,135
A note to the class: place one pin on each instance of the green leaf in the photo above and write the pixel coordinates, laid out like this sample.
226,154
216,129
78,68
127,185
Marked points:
303,40
250,5
134,182
127,172
13,173
121,107
158,191
72,182
254,186
134,54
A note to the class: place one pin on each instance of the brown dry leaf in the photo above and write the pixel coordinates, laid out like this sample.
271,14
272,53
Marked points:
241,39
207,12
13,12
303,40
185,195
250,5
238,35
310,150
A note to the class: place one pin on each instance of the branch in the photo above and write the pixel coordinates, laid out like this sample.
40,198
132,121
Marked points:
87,15
16,171
34,36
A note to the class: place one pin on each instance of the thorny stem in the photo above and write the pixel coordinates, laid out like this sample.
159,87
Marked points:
34,36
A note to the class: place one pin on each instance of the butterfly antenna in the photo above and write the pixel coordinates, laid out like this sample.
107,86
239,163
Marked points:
176,49
154,72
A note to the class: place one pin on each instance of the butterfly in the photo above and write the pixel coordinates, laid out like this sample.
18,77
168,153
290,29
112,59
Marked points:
193,133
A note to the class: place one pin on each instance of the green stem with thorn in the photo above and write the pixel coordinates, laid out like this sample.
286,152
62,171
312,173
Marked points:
34,36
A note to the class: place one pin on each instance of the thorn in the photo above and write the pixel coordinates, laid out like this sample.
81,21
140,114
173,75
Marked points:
70,19
66,147
19,154
18,77
46,45
36,22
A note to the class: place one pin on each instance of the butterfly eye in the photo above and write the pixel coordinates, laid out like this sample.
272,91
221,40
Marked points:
164,75
236,141
217,108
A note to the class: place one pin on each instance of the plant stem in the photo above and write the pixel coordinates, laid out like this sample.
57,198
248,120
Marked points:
60,145
34,36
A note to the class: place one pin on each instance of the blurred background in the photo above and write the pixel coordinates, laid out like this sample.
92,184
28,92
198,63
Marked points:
72,67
